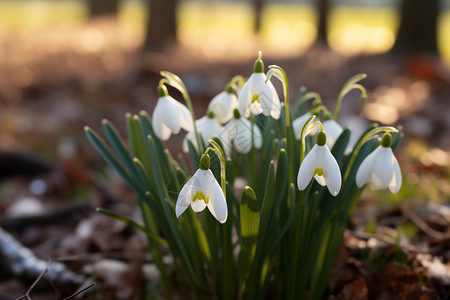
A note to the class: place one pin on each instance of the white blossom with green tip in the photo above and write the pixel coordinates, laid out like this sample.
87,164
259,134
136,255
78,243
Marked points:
320,164
257,96
202,190
223,105
381,168
170,116
243,134
208,127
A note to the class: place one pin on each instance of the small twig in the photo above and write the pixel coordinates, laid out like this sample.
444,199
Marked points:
27,294
80,291
410,214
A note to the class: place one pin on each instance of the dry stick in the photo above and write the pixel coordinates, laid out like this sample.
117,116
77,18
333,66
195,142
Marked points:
410,214
27,294
80,291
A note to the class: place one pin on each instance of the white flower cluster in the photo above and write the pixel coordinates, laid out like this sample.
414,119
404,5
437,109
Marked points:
233,108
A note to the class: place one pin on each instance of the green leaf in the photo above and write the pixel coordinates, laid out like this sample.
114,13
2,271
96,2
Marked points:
110,157
249,215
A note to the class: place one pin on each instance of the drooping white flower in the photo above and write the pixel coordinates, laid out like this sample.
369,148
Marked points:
207,127
320,164
381,168
257,96
239,131
298,123
170,116
223,105
333,131
200,191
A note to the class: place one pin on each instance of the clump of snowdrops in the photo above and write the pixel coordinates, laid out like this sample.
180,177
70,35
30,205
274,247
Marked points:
278,236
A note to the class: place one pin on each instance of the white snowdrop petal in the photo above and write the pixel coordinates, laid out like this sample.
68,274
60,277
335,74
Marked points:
223,105
169,113
276,105
365,170
333,131
184,198
257,137
332,173
396,182
244,99
229,130
162,131
185,117
262,89
210,129
243,138
298,123
320,179
191,137
217,204
383,168
307,168
198,205
255,85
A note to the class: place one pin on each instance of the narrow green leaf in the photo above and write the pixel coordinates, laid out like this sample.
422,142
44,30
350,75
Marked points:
107,154
249,215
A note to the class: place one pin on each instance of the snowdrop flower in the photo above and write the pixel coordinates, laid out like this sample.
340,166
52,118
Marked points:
297,125
320,164
223,105
170,116
239,131
207,127
202,190
381,168
333,130
257,96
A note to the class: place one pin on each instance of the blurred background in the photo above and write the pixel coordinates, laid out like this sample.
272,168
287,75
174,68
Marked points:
65,64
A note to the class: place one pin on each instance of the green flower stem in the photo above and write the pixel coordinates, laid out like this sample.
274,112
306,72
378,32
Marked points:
303,136
227,275
309,96
177,83
349,85
237,81
281,74
320,108
298,225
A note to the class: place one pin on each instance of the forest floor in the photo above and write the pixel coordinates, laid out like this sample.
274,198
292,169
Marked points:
396,246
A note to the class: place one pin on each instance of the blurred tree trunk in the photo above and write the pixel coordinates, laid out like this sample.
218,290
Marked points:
418,27
161,25
257,7
322,8
103,7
